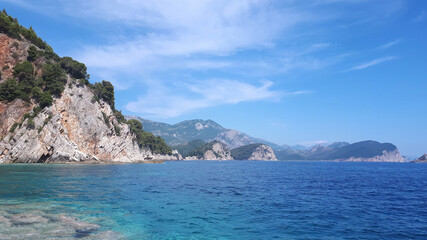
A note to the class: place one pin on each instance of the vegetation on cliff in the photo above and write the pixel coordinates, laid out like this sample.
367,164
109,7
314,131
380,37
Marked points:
187,148
200,151
146,139
43,76
244,152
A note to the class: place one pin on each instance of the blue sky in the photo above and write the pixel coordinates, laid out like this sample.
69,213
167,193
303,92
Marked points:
292,72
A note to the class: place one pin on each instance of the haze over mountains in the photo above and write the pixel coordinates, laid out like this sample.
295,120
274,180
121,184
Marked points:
192,131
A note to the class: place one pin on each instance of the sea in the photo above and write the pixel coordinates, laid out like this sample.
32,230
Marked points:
214,200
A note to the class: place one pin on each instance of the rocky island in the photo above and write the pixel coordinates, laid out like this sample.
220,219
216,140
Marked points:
256,151
422,159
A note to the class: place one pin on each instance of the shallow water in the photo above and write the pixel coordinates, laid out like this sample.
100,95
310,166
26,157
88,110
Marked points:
217,200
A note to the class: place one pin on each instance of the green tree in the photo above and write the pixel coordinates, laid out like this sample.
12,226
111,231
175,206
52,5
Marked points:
32,53
8,90
45,100
135,125
54,78
105,91
23,71
148,140
74,68
36,92
119,116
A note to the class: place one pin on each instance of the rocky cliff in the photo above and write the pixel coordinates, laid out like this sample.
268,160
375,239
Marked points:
422,159
264,153
75,126
211,151
71,130
258,151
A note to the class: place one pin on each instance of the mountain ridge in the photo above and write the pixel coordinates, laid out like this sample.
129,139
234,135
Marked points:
206,130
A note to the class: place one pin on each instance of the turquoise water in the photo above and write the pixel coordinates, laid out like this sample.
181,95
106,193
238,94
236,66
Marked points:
218,200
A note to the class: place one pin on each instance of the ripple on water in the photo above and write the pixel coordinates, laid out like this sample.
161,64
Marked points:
214,200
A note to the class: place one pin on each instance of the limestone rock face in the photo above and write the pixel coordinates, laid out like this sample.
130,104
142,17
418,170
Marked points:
264,153
219,151
73,129
422,159
387,156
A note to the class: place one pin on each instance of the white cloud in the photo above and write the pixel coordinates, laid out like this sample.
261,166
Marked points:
163,101
246,38
389,44
186,28
371,63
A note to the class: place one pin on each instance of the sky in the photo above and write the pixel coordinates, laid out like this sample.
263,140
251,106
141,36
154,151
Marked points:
291,72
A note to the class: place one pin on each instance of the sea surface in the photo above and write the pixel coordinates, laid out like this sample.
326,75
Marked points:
215,200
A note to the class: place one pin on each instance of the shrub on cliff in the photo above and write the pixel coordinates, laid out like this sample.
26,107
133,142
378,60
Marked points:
8,90
32,53
105,91
54,78
75,69
23,71
13,29
9,25
45,99
147,139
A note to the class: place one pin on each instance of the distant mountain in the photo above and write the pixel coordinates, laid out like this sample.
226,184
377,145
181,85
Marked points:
188,135
360,151
297,147
205,130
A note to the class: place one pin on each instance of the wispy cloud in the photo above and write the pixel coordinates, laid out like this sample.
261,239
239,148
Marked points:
371,63
420,17
389,44
246,40
163,101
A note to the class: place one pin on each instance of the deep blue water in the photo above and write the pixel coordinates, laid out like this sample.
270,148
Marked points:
227,200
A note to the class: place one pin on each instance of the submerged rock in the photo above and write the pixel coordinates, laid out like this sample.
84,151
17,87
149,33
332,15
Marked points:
40,225
81,228
27,219
4,221
108,235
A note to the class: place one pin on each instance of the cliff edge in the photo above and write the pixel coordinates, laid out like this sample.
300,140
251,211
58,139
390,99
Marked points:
51,113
